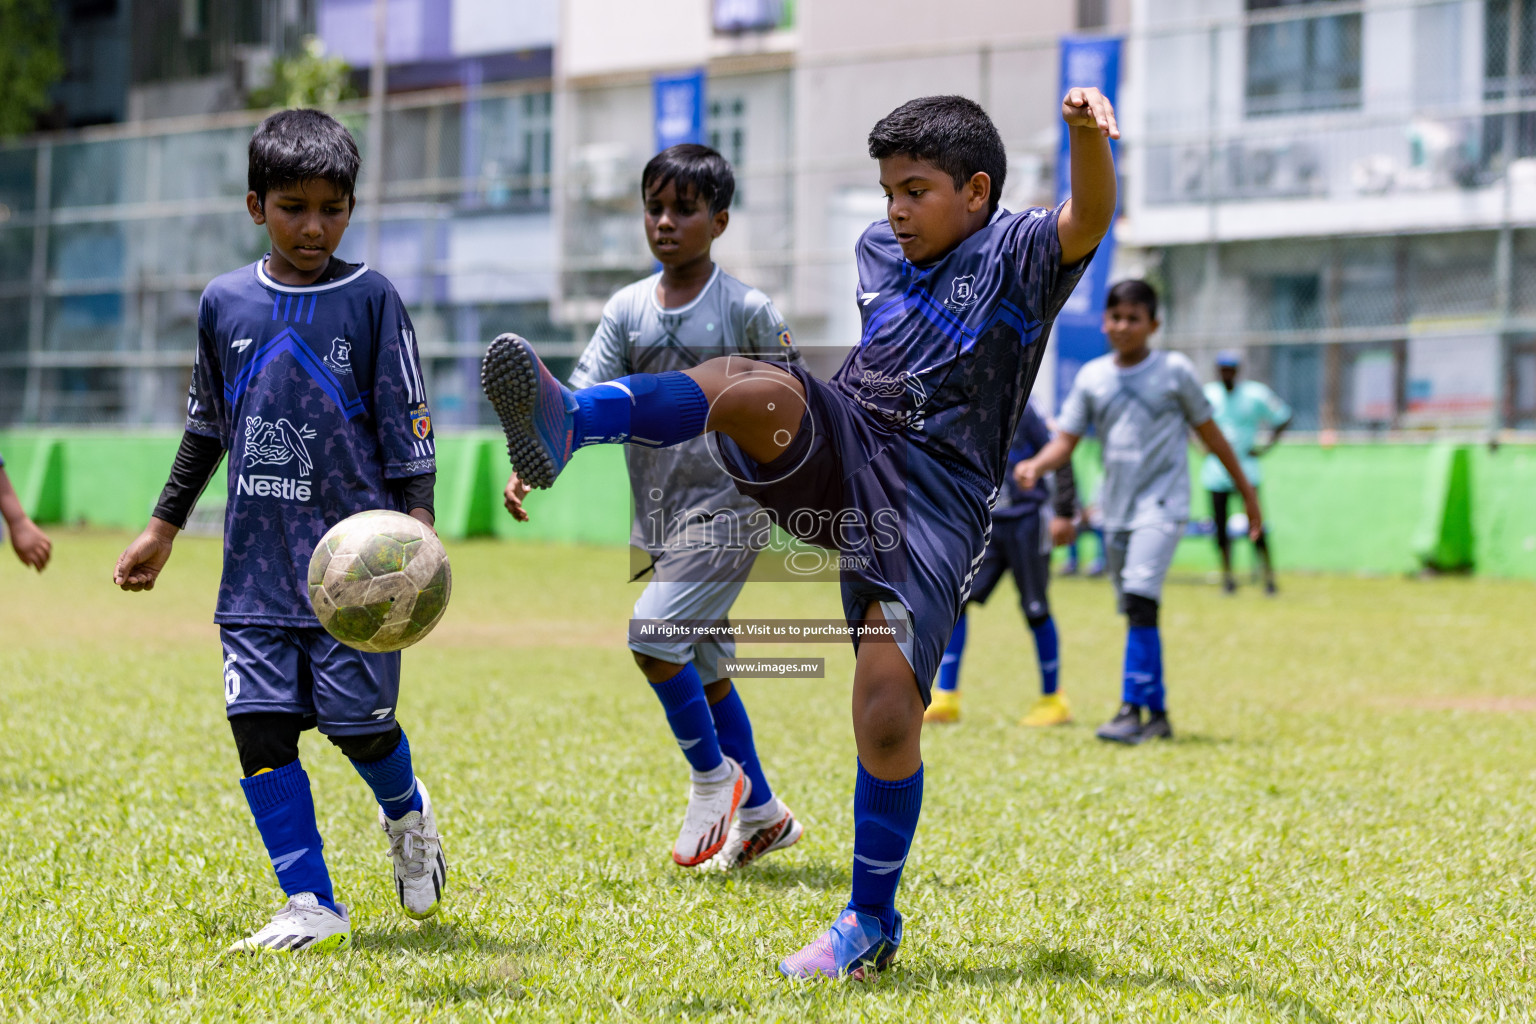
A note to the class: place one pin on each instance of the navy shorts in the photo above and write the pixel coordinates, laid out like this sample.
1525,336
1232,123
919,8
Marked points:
909,527
308,672
1019,546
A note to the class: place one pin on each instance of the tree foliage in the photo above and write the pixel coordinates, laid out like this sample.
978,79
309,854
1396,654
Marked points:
29,62
305,79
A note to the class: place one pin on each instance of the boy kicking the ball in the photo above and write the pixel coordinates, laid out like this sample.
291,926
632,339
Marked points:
307,374
896,461
1141,403
689,518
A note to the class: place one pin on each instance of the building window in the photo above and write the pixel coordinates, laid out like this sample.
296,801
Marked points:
1520,403
1301,62
733,16
1296,375
1092,13
1509,73
727,130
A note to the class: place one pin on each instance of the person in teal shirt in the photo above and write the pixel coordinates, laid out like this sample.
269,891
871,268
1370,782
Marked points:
1241,409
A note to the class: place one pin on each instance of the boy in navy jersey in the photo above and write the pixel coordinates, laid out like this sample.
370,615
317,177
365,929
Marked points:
1022,538
689,517
307,374
895,462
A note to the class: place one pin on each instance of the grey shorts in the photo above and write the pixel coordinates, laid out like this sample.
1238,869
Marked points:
1138,559
694,598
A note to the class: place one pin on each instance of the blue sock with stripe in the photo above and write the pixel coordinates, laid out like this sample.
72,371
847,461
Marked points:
884,820
284,810
1048,651
654,410
1142,683
733,729
949,665
393,781
682,697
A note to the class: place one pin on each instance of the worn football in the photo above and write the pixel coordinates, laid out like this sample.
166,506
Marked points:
379,580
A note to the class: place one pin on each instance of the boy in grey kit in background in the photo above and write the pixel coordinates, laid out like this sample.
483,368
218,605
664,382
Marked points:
1141,403
697,528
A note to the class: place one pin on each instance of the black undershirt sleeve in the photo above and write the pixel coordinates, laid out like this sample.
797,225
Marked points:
417,491
1066,492
196,461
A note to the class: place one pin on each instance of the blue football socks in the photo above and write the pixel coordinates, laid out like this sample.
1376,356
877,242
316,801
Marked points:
1142,683
682,697
949,665
393,781
1048,650
285,816
884,819
655,410
734,730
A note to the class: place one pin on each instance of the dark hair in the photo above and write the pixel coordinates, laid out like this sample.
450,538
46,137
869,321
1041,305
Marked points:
294,146
697,170
950,132
1133,292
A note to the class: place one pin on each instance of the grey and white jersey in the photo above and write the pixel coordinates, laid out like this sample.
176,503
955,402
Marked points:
674,488
1141,415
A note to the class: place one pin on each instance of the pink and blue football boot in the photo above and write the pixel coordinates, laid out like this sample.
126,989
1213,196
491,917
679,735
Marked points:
537,412
855,947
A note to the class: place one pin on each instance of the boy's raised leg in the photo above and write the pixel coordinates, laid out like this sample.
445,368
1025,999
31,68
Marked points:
888,796
756,404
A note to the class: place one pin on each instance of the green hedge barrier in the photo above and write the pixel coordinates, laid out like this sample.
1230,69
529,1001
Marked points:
1383,508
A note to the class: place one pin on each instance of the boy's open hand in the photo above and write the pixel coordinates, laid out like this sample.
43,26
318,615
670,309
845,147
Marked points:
512,497
1026,474
1088,108
1063,531
32,545
140,565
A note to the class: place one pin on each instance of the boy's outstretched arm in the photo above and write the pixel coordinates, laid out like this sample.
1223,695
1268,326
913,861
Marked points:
1057,453
1216,441
31,544
1089,211
197,459
512,497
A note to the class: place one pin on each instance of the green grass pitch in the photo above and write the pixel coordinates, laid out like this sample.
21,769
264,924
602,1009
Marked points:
1343,831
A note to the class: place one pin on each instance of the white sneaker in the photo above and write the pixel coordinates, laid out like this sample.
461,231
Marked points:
711,805
303,924
747,842
417,852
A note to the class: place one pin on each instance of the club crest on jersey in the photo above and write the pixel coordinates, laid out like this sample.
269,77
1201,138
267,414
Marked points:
276,443
785,339
339,361
962,292
421,421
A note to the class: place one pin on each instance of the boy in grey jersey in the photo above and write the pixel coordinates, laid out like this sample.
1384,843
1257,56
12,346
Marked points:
701,533
1141,404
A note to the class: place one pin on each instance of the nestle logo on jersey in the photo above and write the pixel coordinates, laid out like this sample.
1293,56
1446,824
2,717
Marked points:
272,487
276,443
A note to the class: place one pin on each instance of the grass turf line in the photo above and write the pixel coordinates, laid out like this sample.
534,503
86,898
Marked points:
1332,838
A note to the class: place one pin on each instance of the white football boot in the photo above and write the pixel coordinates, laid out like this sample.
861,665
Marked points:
749,841
304,924
707,823
417,853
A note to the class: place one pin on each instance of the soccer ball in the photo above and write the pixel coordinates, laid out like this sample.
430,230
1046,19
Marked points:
379,580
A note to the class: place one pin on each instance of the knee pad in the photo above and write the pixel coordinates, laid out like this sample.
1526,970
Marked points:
369,747
266,739
1140,611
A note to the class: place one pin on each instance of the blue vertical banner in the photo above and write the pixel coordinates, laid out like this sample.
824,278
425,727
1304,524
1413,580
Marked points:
1079,326
679,108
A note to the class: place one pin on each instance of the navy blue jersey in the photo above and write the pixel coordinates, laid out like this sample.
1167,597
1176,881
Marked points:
316,393
950,351
1028,438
